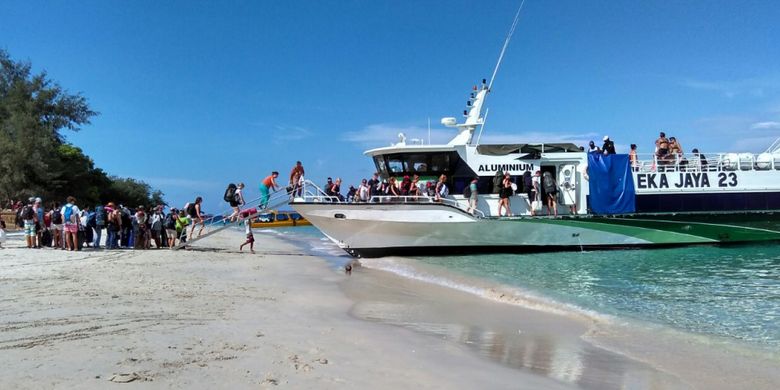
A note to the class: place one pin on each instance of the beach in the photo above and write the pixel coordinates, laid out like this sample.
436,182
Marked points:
213,317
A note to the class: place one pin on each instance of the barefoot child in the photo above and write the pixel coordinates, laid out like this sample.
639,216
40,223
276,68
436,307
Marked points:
250,238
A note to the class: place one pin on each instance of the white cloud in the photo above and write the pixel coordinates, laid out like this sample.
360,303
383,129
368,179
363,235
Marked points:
755,87
765,125
383,134
282,133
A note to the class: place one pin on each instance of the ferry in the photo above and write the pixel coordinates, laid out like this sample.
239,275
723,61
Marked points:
276,218
604,201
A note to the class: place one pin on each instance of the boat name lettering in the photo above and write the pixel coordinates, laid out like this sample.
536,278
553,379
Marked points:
683,180
506,167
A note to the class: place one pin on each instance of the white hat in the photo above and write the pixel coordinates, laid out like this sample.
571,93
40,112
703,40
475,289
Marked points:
606,137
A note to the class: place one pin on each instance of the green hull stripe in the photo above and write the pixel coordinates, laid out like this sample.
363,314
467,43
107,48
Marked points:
639,232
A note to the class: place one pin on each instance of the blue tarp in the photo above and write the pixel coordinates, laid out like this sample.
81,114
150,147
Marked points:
611,184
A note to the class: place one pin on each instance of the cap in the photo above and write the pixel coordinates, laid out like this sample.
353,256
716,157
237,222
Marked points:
606,137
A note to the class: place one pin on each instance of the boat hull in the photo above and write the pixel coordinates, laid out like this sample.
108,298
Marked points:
374,230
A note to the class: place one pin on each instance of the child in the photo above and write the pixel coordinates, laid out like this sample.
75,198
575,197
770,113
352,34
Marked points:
2,233
250,238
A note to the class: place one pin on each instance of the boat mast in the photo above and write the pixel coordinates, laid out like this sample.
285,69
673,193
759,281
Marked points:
473,111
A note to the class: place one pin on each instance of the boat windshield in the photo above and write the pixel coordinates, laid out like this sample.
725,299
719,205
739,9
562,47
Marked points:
423,164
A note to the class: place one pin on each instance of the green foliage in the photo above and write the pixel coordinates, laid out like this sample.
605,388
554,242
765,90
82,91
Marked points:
35,159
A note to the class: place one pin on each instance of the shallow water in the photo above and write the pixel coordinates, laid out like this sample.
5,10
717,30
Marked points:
729,293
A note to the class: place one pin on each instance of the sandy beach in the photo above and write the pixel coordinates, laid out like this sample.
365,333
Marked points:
212,317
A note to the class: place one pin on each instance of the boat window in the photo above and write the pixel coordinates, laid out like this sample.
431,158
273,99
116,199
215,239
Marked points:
440,162
296,216
417,163
379,161
396,164
265,218
282,217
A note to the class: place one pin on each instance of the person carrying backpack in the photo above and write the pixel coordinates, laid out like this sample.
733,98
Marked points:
170,226
551,192
101,219
236,200
57,226
29,222
70,214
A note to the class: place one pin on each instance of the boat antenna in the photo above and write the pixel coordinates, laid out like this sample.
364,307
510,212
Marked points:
482,127
506,43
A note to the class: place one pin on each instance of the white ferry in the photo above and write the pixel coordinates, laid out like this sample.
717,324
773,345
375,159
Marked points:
604,202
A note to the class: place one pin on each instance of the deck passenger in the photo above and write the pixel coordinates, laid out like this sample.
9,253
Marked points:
551,193
473,195
608,147
268,184
392,188
592,148
675,149
504,195
296,179
441,188
374,184
632,157
363,192
414,186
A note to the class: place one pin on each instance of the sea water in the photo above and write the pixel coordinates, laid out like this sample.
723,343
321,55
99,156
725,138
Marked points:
730,293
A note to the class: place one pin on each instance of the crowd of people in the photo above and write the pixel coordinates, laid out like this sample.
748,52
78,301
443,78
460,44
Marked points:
668,151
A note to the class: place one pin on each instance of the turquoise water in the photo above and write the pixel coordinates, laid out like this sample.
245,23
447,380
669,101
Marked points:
731,292
727,292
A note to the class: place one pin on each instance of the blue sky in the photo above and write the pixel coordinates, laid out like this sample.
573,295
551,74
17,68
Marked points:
195,94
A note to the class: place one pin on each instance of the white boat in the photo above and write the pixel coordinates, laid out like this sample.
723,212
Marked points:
604,202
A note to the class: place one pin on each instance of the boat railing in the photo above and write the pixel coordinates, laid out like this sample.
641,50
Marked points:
312,193
710,162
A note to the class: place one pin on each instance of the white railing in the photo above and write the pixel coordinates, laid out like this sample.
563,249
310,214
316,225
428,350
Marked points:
313,193
710,162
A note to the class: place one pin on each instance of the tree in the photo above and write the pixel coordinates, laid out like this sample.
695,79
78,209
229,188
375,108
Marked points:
36,159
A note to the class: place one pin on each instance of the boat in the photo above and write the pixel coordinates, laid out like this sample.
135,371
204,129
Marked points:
277,218
605,201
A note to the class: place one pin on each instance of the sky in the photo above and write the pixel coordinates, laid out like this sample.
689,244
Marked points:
193,95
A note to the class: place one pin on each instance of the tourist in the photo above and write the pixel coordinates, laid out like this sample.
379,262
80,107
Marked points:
592,148
363,192
373,185
266,186
537,191
140,231
170,227
633,159
39,222
156,227
113,226
551,192
675,149
56,224
101,219
194,211
296,179
87,221
406,185
504,194
250,238
392,188
414,187
70,215
441,188
335,190
236,202
661,146
702,160
608,147
473,194
181,227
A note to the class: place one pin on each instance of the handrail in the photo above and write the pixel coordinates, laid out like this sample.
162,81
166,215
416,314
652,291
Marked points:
320,196
700,162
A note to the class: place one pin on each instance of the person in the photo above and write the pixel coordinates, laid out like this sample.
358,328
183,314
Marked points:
661,146
504,195
2,233
194,211
70,214
56,224
592,148
237,202
441,188
86,234
101,218
608,147
363,192
373,185
704,165
537,191
551,192
392,187
633,159
250,238
268,184
473,194
296,179
40,224
170,226
114,226
406,186
126,235
181,226
351,194
498,178
675,149
30,222
335,190
156,227
414,186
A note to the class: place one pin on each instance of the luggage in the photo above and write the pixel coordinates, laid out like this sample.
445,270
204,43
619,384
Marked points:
536,206
248,212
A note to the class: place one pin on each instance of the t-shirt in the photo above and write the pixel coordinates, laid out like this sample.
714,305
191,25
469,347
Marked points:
74,213
363,192
182,222
248,227
268,181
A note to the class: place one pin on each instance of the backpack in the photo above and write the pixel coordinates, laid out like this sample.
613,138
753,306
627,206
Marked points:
467,191
56,217
100,216
230,193
69,216
190,209
169,222
548,182
28,213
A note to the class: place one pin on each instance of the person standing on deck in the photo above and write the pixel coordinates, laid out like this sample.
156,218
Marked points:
551,192
473,196
194,210
266,186
441,188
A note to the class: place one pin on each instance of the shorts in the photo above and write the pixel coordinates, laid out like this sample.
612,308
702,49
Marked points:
250,238
29,227
233,203
170,232
71,228
57,227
